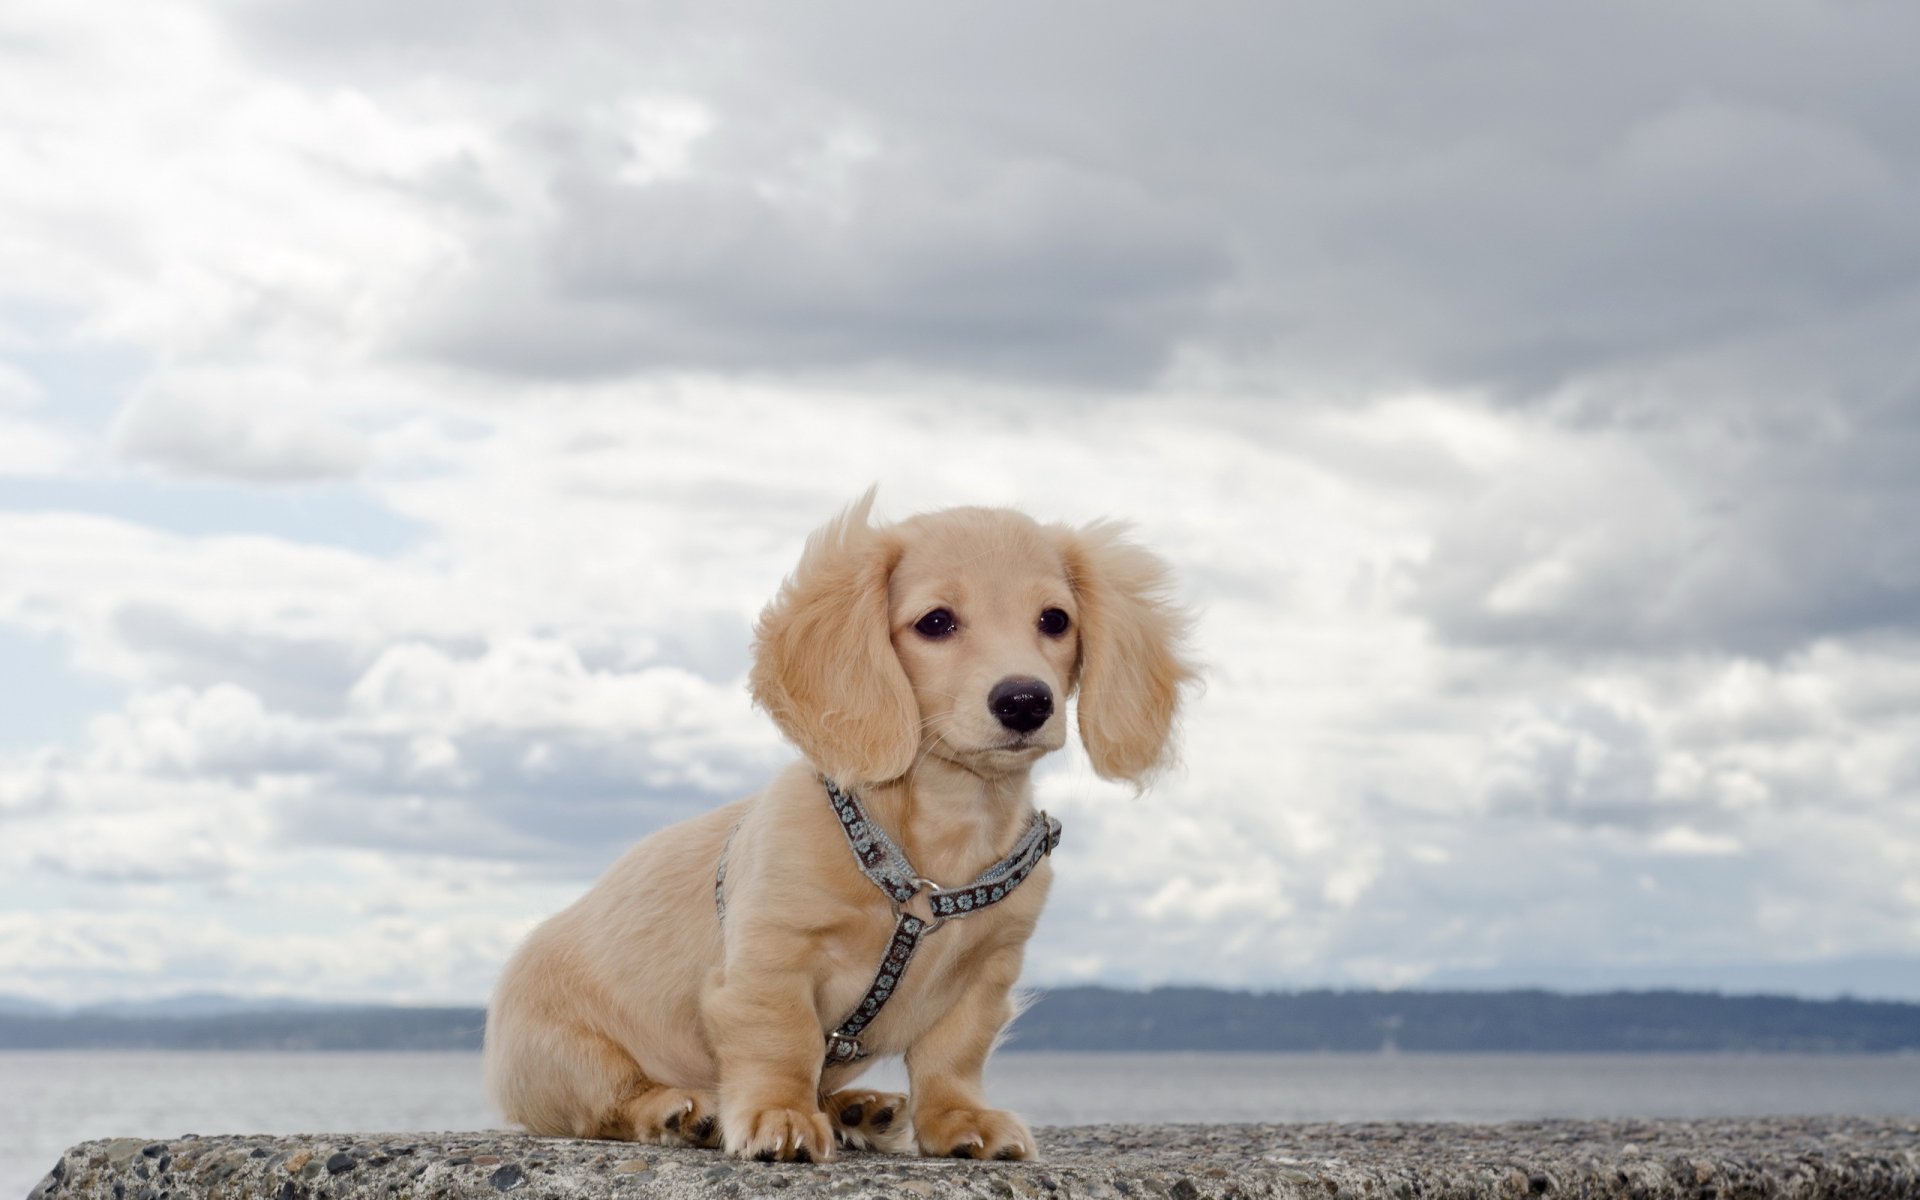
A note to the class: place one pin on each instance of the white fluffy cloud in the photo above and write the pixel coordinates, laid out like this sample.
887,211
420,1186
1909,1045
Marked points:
29,447
247,424
1536,439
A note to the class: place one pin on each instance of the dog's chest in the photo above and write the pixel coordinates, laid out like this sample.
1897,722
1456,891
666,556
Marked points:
936,977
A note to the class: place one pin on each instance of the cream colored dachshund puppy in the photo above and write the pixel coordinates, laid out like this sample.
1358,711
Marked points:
716,986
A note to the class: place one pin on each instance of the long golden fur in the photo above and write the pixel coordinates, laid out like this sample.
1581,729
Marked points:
636,1014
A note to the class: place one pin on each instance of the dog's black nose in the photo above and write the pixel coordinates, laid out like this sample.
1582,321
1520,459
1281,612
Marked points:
1022,705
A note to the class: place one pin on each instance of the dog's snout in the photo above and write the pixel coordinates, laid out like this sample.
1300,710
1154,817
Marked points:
1022,705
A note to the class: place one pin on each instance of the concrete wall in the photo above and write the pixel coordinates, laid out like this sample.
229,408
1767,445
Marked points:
1860,1159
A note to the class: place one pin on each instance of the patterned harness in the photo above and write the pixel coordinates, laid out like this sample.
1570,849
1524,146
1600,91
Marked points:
885,865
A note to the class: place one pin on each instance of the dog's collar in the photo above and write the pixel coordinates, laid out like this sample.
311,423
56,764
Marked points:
885,864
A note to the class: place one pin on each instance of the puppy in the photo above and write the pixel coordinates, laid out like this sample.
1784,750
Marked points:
921,669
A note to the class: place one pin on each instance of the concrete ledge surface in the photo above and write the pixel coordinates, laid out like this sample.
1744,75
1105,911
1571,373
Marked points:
1863,1159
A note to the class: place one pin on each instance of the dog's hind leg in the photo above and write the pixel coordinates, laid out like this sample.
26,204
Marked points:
562,1081
643,1109
654,1112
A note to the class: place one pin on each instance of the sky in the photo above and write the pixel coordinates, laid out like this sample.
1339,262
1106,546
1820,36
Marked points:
406,409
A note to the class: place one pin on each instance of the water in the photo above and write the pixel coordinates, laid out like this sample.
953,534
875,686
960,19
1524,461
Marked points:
52,1099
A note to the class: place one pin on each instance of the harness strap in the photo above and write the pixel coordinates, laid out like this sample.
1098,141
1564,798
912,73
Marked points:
883,863
881,859
843,1043
997,882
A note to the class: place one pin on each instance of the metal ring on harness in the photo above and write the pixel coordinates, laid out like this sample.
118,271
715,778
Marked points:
922,887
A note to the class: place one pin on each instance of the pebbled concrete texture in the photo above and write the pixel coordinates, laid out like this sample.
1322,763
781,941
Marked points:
1859,1158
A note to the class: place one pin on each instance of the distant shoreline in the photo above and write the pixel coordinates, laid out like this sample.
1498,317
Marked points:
1113,1020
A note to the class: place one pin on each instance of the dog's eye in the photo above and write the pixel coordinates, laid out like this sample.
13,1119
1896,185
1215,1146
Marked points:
1054,622
936,624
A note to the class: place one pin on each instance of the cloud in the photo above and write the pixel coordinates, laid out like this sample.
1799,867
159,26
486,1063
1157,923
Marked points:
151,607
557,671
1591,763
1325,197
987,268
518,754
1536,437
29,447
32,449
1750,533
259,426
163,196
1693,737
89,955
17,390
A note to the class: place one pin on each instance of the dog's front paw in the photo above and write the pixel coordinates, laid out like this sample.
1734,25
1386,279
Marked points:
784,1135
869,1120
973,1133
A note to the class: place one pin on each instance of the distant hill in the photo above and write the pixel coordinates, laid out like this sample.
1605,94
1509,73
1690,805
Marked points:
20,1004
317,1028
1094,1018
1884,977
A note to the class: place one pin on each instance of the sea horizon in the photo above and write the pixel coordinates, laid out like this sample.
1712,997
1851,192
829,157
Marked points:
1098,1018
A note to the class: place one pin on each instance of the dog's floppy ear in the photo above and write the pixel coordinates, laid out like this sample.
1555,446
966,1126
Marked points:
823,660
1130,669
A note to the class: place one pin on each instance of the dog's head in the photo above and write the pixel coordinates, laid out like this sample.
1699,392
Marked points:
961,634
